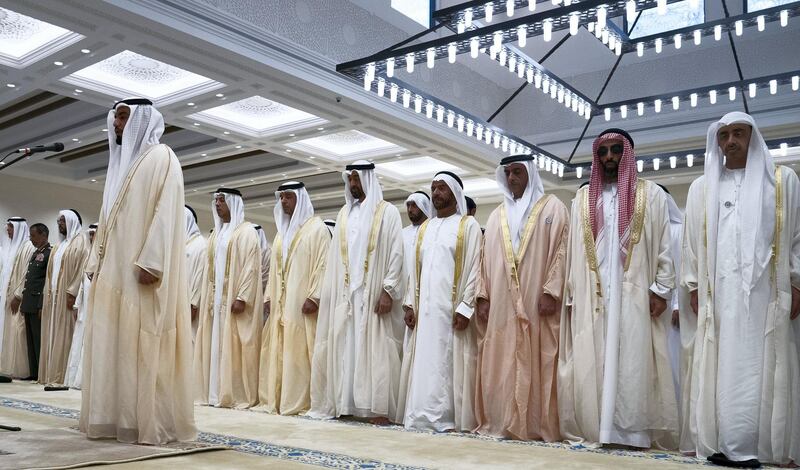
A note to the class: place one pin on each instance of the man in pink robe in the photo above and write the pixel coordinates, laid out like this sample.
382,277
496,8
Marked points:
520,287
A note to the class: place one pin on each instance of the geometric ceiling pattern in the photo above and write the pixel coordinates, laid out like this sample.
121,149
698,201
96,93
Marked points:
346,146
130,74
258,117
25,40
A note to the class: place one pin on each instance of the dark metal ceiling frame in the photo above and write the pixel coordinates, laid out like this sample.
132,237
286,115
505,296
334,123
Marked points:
532,24
741,86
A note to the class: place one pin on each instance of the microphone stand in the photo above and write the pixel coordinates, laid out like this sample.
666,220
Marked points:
6,165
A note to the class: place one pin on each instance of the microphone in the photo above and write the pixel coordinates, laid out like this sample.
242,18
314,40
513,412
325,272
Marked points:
56,147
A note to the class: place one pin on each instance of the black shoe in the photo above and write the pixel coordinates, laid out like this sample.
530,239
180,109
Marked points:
54,388
722,460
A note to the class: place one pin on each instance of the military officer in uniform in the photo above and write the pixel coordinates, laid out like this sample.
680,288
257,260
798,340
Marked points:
33,293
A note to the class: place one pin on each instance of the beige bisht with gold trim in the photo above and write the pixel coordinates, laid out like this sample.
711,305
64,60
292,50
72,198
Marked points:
14,350
58,320
295,274
137,374
358,352
518,348
226,361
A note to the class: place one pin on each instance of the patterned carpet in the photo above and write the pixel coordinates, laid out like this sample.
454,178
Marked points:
282,441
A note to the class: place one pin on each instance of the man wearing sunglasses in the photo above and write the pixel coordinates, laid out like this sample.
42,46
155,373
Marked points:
615,383
741,269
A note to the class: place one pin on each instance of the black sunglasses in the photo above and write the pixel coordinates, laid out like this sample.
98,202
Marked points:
616,148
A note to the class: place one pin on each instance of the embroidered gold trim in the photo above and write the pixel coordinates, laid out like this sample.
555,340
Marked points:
512,260
588,240
638,220
377,218
418,252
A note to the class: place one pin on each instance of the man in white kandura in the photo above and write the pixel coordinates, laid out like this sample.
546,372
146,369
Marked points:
671,317
293,295
196,264
741,266
419,209
614,377
437,384
137,376
13,340
75,361
64,277
359,342
229,335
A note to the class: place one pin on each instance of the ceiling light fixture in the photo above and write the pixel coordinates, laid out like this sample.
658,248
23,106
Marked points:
694,95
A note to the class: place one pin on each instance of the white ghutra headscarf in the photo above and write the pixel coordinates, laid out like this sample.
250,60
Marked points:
142,130
757,203
73,222
457,187
289,225
357,249
518,210
191,222
12,247
421,200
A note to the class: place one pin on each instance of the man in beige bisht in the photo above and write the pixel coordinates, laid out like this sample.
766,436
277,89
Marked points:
196,264
228,338
438,375
138,339
266,254
359,342
13,340
293,294
519,306
75,362
614,378
741,266
64,275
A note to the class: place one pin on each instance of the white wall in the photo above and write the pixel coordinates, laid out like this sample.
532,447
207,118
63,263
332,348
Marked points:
40,201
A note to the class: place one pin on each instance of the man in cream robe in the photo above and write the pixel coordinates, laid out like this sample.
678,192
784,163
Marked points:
741,265
196,264
266,253
138,340
438,374
293,295
64,275
359,341
519,306
14,344
228,338
615,382
75,360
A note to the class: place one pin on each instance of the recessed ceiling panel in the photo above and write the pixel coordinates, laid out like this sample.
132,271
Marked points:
258,117
347,145
130,74
481,187
25,40
415,169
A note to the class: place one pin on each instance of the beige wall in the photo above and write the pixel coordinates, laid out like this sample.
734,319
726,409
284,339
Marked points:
40,201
